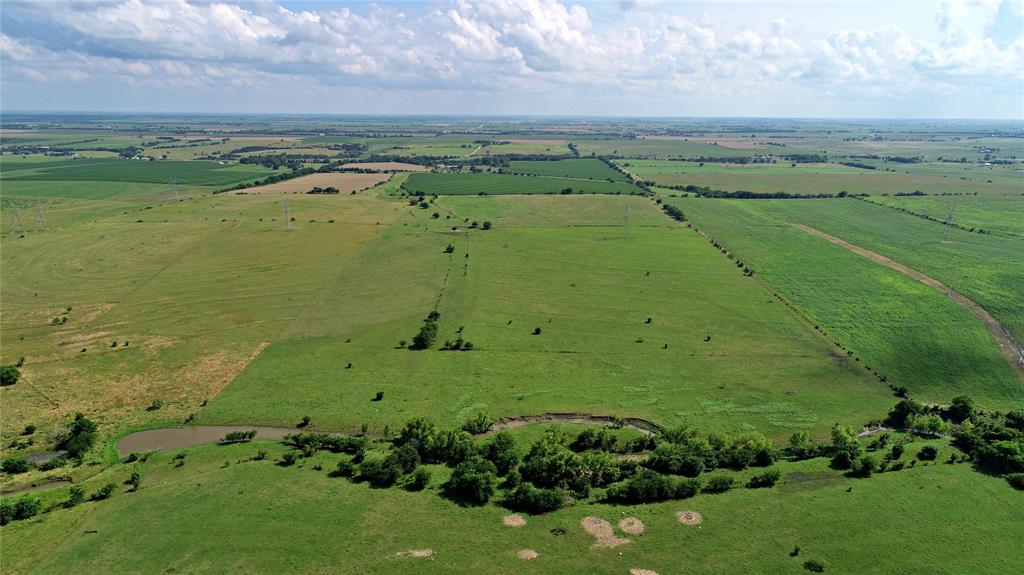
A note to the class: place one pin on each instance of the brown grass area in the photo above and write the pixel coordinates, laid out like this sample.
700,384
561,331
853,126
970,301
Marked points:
388,166
637,571
346,182
632,525
603,533
527,554
689,517
539,142
514,520
416,553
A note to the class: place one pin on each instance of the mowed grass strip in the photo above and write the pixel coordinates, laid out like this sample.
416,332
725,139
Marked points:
501,184
913,334
718,351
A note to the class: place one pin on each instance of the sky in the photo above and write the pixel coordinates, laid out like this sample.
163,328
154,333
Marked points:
835,59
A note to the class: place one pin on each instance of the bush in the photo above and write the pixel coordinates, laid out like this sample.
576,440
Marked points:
478,424
289,458
420,479
472,481
1016,480
927,453
380,472
644,487
501,450
103,492
407,458
80,437
719,484
6,511
530,499
345,468
27,507
135,480
239,436
9,375
14,465
903,413
864,466
550,464
766,479
814,565
961,408
29,429
600,439
76,496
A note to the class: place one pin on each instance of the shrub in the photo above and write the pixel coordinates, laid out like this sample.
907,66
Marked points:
677,460
1016,480
478,424
9,375
289,458
646,486
766,479
14,465
29,430
6,511
305,421
103,492
27,507
550,464
530,499
600,468
864,466
239,436
380,472
420,479
407,457
927,453
1015,419
501,450
472,481
600,439
76,496
536,331
719,484
260,455
55,463
814,565
157,403
961,408
135,480
80,437
903,413
345,468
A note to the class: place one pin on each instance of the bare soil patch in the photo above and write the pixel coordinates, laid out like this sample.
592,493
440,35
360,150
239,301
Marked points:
689,517
603,532
632,525
416,553
388,166
641,425
346,182
1011,350
514,520
527,554
636,571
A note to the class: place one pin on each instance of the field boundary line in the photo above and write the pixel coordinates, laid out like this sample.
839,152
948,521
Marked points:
1010,349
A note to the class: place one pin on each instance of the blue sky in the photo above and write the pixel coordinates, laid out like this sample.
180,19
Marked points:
634,57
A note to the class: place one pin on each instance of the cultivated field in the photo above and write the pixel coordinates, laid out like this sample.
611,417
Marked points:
345,182
501,184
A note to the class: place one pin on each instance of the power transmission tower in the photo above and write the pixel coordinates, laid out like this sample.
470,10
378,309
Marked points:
174,186
287,217
40,223
948,224
625,221
16,221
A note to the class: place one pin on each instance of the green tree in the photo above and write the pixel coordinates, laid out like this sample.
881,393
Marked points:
9,375
472,481
961,408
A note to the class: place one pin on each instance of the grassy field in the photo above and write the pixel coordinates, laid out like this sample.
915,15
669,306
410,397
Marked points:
168,284
583,168
333,524
205,173
910,332
814,178
596,353
345,182
988,269
500,184
997,213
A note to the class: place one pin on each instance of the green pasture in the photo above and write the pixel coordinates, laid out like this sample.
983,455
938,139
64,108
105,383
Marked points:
206,173
910,332
583,168
567,266
1001,214
500,184
258,517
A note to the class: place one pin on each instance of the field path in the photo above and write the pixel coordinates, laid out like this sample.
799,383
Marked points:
1011,350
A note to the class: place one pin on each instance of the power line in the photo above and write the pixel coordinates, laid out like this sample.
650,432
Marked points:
287,218
948,224
174,186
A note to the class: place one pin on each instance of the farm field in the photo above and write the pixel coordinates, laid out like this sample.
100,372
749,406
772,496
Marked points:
587,347
499,284
997,213
910,332
501,184
583,168
345,182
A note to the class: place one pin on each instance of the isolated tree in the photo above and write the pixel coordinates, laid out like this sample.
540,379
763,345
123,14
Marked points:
9,375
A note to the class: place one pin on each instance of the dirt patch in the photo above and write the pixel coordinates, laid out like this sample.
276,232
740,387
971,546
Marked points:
632,525
527,554
388,166
420,553
689,517
636,571
603,532
641,425
1011,350
346,182
514,520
